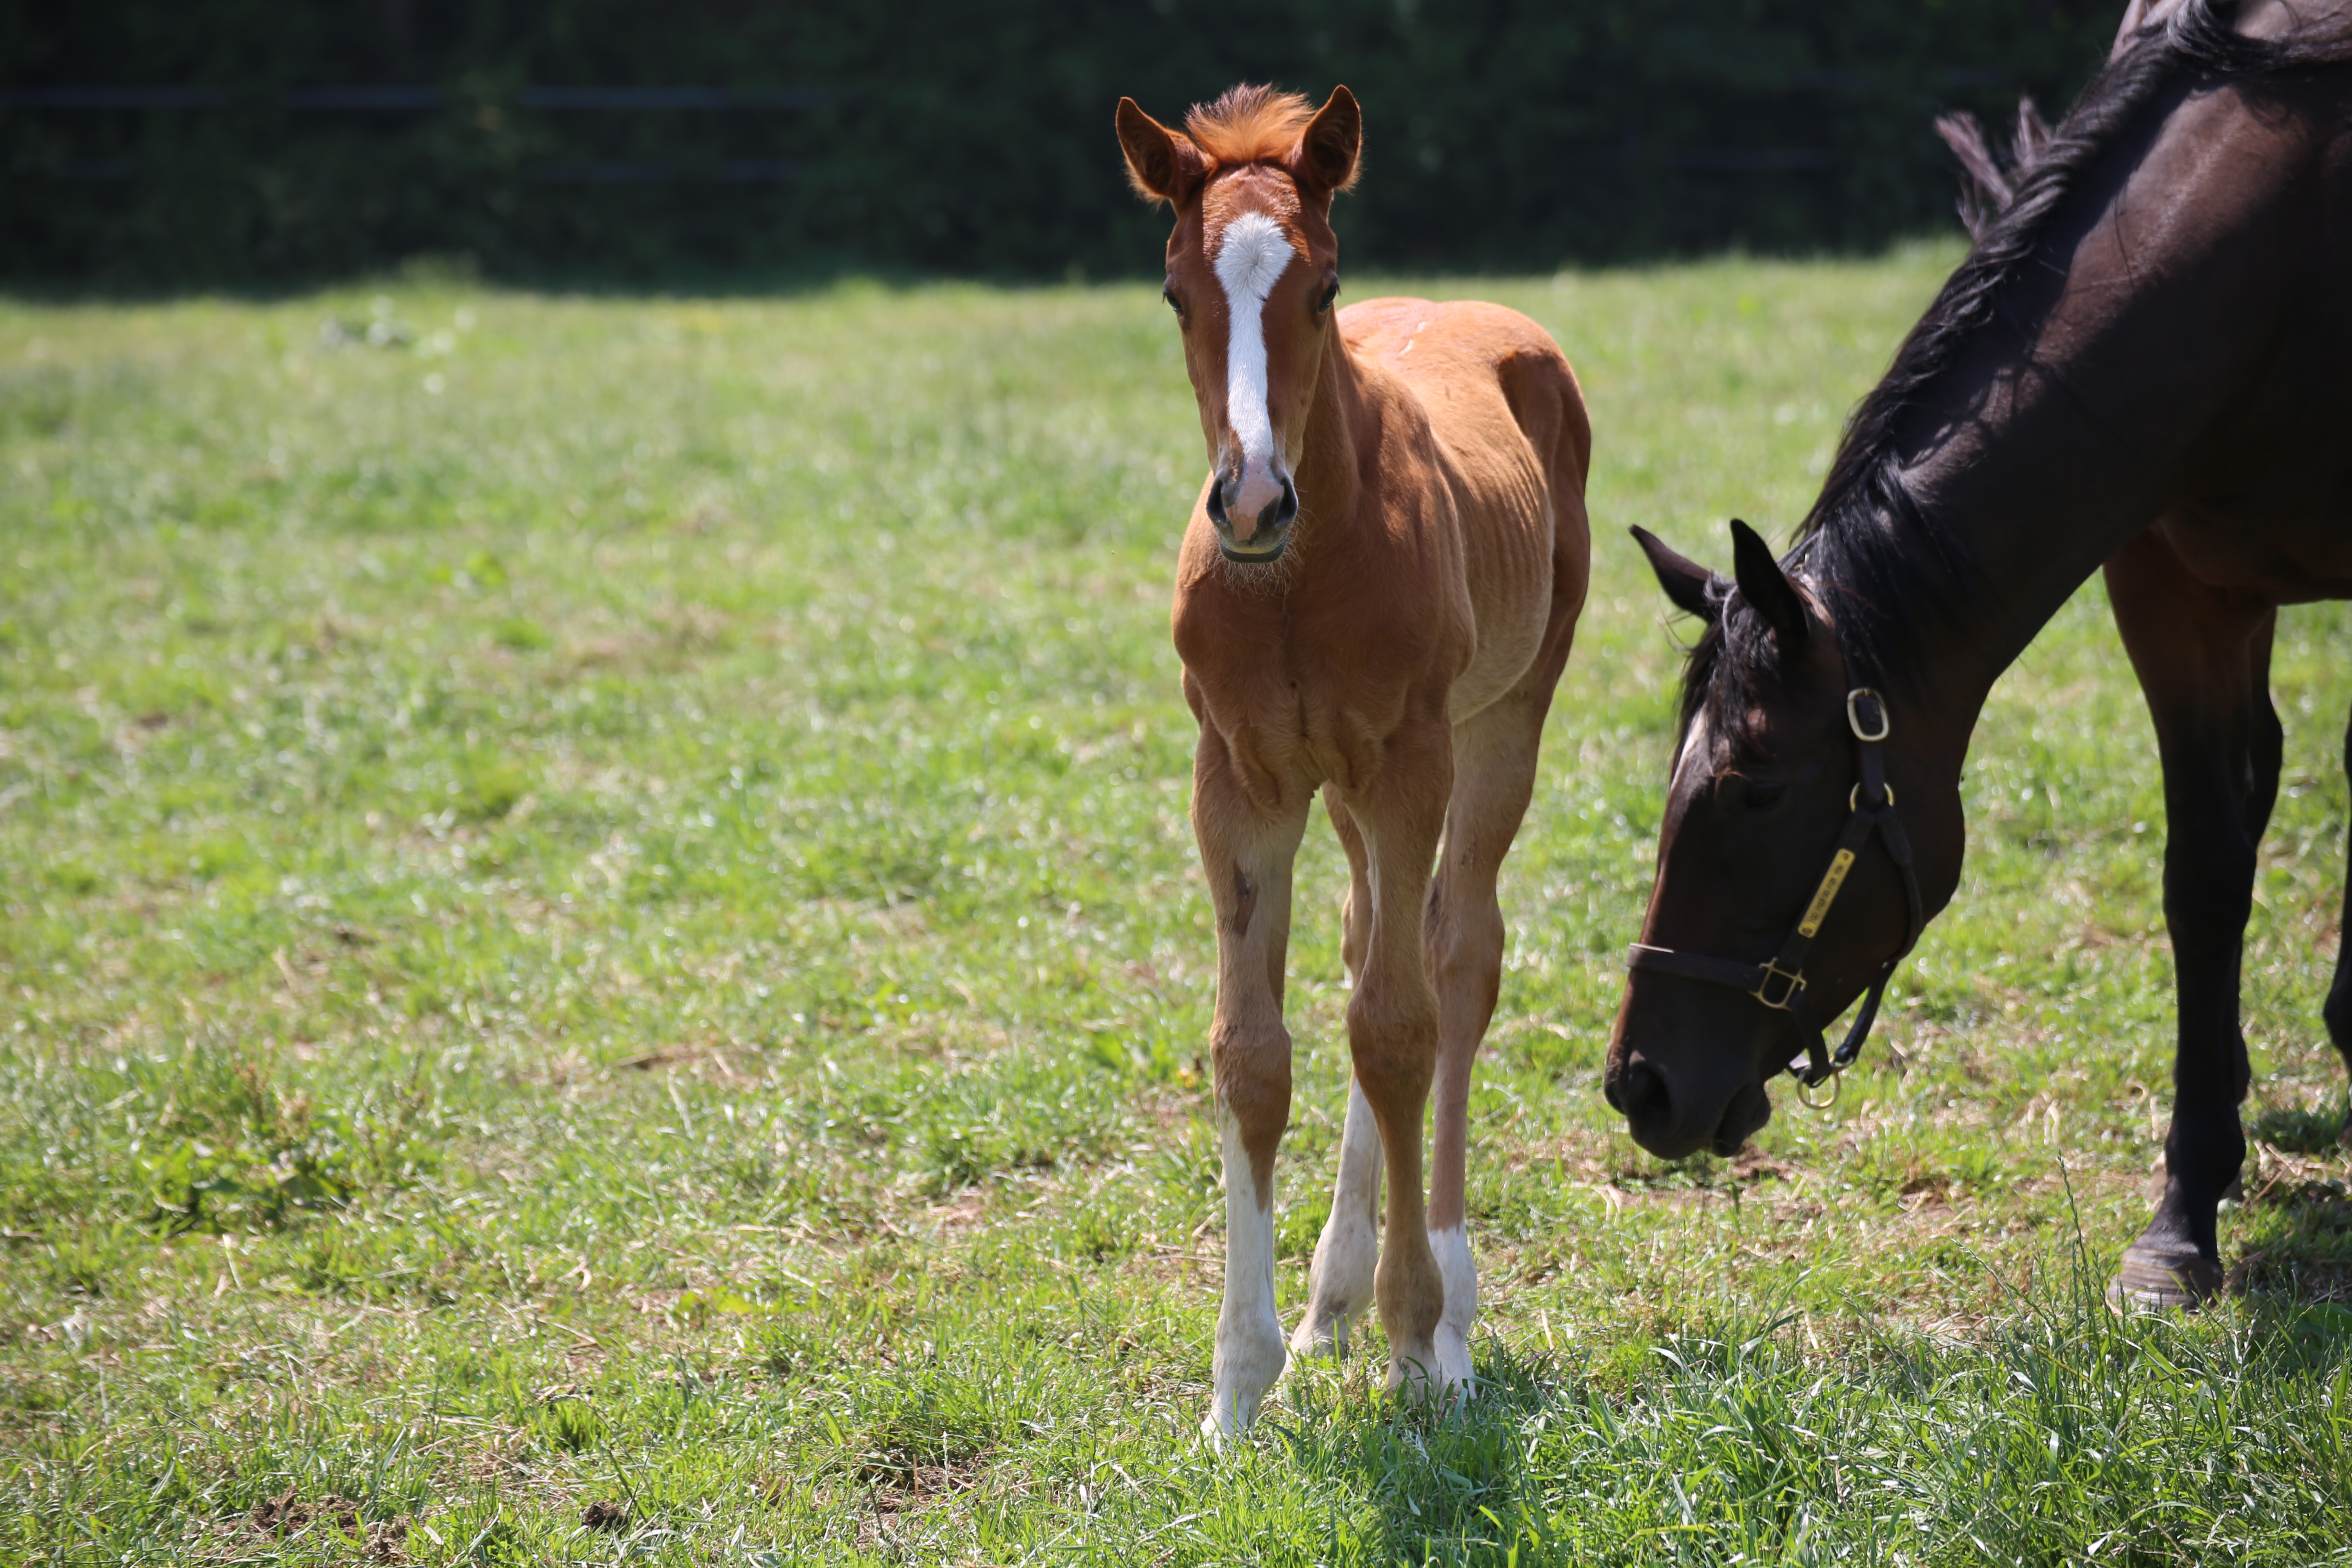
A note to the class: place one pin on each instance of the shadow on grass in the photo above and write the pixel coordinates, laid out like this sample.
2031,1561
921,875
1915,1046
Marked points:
2294,1130
2058,1427
2299,1251
1441,1488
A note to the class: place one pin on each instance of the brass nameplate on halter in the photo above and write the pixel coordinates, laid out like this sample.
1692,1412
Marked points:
1826,894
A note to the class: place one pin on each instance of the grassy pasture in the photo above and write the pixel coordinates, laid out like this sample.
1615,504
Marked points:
599,963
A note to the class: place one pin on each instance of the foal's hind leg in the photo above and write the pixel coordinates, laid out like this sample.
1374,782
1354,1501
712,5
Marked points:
1340,1286
1493,775
2203,660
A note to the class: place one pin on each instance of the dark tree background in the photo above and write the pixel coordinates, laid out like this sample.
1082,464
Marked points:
175,142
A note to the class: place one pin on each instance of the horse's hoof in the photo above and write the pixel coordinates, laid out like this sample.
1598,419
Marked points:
1219,1434
1453,1371
1324,1340
2161,1282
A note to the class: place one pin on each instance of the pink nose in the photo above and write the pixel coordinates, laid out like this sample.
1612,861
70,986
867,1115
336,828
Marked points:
1253,502
1253,519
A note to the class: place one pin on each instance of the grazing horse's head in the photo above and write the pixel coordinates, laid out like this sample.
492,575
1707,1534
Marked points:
1767,781
1253,271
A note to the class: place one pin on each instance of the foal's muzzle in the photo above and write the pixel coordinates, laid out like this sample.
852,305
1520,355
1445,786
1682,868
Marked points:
1269,532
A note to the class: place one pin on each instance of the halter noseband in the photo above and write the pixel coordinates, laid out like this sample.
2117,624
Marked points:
1780,980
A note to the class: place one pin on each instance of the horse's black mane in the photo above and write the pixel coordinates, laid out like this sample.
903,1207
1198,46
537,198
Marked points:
1861,546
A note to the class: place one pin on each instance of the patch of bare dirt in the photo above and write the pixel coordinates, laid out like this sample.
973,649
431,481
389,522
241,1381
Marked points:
900,1494
959,1214
290,1516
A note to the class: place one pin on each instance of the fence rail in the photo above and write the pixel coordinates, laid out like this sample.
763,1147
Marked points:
405,99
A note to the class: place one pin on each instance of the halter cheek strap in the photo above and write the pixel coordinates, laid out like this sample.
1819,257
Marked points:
1780,980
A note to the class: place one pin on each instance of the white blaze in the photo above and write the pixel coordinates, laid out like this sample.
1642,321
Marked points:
1252,253
1694,745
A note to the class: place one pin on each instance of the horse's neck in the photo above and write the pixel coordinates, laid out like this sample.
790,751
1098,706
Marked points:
1328,476
2092,402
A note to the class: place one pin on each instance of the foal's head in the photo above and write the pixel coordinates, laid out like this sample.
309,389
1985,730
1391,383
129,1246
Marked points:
1252,273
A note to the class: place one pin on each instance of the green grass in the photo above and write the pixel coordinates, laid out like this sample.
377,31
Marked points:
599,925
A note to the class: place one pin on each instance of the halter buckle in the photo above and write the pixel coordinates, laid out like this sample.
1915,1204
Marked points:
1853,714
1793,981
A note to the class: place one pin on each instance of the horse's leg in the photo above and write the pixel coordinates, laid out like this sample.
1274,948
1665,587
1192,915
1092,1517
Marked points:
2203,660
1247,845
1340,1286
1493,775
2339,1011
1392,1029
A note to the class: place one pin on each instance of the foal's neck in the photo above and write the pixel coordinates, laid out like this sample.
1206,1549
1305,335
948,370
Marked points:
1328,476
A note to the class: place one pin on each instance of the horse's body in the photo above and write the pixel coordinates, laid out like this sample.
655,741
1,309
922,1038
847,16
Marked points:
2141,365
1394,647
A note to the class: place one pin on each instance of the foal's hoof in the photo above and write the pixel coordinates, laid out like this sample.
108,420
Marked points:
1324,1339
2154,1281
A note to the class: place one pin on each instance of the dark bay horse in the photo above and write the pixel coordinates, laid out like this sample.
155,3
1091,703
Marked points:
1375,599
2143,362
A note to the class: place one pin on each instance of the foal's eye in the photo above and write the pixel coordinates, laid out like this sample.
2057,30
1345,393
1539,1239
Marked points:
1167,292
1761,796
1331,292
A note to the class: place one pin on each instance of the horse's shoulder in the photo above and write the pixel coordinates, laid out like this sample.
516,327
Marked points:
1370,325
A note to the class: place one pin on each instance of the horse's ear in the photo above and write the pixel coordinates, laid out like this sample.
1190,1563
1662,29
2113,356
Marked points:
1324,160
1690,585
1763,585
1162,165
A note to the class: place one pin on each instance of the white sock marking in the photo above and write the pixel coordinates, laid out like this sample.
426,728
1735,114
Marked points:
1252,255
1340,1286
1461,1276
1249,1331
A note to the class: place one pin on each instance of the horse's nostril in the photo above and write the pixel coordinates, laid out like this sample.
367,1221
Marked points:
1642,1093
1280,510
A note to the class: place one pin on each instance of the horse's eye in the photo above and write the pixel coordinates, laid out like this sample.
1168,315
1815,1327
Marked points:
1760,797
1167,292
1331,292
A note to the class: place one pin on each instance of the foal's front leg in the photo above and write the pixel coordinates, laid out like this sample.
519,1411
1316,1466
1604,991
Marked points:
1248,839
1493,778
1392,1033
1340,1284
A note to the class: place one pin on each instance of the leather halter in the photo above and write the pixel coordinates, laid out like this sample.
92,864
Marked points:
1780,980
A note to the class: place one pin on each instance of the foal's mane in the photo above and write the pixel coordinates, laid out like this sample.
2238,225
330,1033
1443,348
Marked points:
1252,124
1882,588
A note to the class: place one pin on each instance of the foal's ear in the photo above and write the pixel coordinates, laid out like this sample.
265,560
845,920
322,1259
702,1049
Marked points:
1763,585
1162,165
1686,583
1324,160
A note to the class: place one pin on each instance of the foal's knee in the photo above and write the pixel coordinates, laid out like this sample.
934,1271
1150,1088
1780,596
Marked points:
1253,1083
1392,1035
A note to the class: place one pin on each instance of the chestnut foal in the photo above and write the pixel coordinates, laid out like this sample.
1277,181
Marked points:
1375,598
